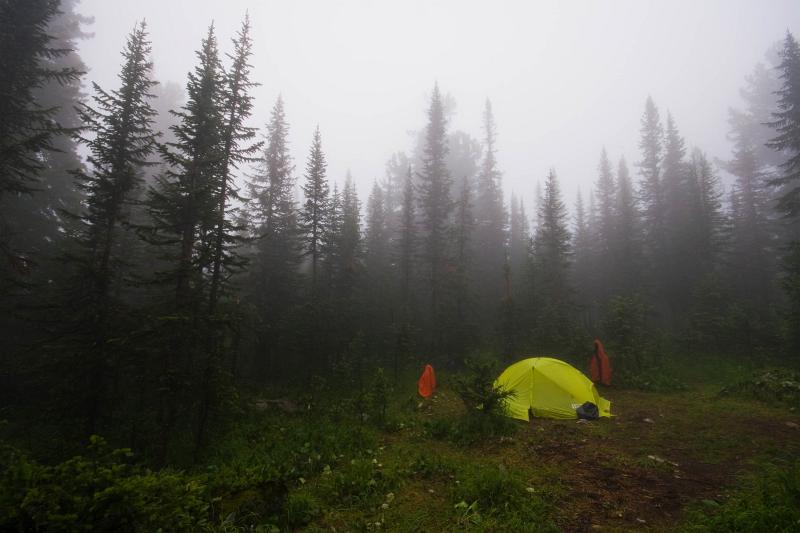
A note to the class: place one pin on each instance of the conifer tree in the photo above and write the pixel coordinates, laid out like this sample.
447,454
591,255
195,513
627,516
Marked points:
463,332
121,141
379,294
627,242
750,233
406,246
315,215
651,189
184,208
36,221
552,257
519,237
225,234
787,126
273,215
604,212
490,224
435,209
585,262
30,61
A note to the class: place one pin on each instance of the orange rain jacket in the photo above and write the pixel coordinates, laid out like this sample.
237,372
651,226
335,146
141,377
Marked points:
599,365
427,382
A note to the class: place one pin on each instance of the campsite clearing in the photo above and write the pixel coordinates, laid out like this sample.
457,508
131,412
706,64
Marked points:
641,470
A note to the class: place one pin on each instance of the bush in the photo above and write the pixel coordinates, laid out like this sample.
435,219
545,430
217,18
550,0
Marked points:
777,385
102,491
361,482
494,492
771,503
476,389
301,509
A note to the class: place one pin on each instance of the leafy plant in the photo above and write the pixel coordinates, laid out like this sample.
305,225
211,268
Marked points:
777,385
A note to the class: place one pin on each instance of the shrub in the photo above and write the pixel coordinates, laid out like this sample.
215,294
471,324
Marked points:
777,385
301,509
771,503
476,388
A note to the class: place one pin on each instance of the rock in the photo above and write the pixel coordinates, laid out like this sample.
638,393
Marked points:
649,421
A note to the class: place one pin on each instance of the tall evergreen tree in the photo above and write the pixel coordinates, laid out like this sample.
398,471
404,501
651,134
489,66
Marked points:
225,235
27,128
435,209
121,141
315,215
552,258
406,247
490,224
184,206
627,242
787,126
585,262
463,326
273,215
36,221
750,232
603,227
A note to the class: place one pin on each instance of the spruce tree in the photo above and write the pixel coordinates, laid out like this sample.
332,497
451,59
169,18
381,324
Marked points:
184,206
225,234
435,209
31,60
274,283
490,224
787,126
602,228
463,325
628,239
552,258
585,259
36,221
315,215
406,247
121,141
750,233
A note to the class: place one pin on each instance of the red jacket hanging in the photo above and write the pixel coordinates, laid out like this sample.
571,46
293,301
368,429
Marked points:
427,382
599,365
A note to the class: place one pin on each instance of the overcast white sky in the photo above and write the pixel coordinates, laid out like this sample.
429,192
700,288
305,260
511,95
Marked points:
565,77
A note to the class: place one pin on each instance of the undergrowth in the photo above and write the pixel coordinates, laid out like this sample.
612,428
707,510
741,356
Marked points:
770,502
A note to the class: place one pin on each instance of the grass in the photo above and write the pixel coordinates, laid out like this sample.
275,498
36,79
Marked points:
690,459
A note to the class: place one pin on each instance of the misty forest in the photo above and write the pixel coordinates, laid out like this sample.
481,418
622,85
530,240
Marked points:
204,327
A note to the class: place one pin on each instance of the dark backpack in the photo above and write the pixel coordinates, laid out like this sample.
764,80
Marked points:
588,411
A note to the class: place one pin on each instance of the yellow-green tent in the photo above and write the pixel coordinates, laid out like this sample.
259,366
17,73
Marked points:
549,388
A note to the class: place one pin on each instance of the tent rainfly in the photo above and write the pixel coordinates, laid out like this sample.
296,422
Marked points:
548,388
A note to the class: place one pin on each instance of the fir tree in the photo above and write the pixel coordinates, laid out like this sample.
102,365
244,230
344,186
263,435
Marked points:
651,189
552,257
787,126
490,224
36,221
273,215
602,228
184,207
30,61
435,208
225,235
314,218
121,141
627,242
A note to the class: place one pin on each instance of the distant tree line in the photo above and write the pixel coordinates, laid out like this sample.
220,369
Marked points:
142,287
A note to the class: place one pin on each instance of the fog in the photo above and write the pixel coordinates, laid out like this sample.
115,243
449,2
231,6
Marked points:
564,78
